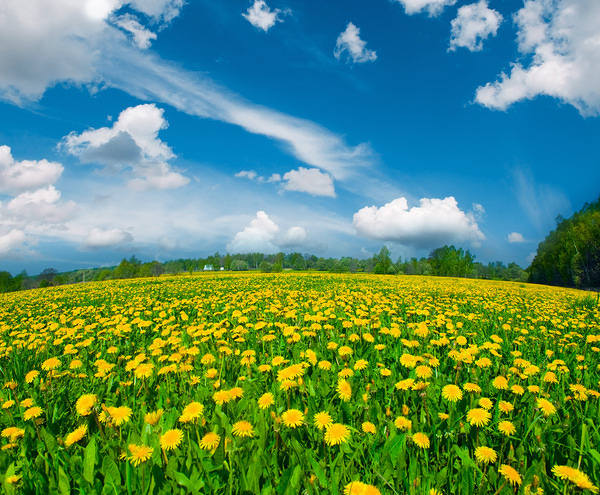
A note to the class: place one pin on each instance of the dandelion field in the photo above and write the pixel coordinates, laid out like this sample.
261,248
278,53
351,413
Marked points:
299,383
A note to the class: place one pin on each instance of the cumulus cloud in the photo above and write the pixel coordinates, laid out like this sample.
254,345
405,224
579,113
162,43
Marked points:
142,37
16,176
309,180
159,10
349,43
103,238
12,242
262,234
40,206
40,46
258,236
561,39
34,203
473,24
247,174
431,224
432,7
515,238
131,142
294,236
261,16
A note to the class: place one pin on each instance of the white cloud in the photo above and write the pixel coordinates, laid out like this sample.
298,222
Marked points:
34,204
473,24
74,42
561,36
258,236
431,224
159,10
40,46
295,236
261,16
103,238
142,37
247,174
40,206
349,42
309,180
262,234
433,7
12,242
478,210
27,174
131,142
515,238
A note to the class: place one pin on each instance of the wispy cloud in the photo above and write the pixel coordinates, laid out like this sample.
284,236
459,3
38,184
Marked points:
149,78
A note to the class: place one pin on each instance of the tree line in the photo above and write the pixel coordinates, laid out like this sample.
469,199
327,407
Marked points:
570,254
444,261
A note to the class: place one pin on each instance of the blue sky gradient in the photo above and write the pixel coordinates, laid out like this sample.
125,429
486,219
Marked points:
226,87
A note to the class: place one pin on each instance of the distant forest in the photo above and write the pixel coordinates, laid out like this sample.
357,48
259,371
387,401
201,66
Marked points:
568,256
445,261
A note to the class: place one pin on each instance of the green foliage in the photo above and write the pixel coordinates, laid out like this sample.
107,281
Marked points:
570,254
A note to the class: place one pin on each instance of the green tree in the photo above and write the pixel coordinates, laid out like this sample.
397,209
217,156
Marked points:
383,262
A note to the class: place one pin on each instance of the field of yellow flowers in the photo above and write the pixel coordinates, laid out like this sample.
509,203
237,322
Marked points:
299,383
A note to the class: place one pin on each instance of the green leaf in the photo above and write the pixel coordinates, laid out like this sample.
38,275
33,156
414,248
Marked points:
89,461
595,455
64,487
318,470
295,480
111,472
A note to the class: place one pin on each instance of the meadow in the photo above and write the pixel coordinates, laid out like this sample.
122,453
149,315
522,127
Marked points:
299,383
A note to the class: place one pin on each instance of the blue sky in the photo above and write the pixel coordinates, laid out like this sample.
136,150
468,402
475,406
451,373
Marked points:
170,129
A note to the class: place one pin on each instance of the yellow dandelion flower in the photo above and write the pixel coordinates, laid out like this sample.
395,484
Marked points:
337,434
51,364
478,416
292,418
322,420
506,428
171,439
153,417
500,383
191,412
421,440
32,412
505,406
368,427
344,390
210,441
485,455
32,375
452,393
139,453
119,415
546,407
242,429
85,403
403,423
76,435
510,474
266,400
575,476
